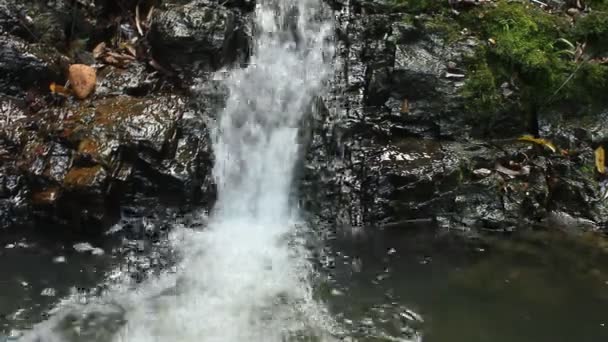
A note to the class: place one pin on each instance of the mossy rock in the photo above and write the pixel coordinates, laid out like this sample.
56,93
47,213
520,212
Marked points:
537,55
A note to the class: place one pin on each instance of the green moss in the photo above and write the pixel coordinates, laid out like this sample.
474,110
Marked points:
589,85
481,89
524,39
527,47
444,25
601,5
531,48
593,29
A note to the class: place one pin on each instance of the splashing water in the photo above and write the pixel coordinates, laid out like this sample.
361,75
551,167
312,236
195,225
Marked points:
245,276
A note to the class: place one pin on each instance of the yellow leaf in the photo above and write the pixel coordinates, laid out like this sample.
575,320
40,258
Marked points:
57,89
539,141
600,157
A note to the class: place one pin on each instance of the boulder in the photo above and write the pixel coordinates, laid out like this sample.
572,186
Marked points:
392,143
77,163
83,80
25,66
198,36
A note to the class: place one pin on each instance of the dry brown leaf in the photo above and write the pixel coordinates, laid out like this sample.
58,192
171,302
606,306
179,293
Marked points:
405,106
99,50
600,160
110,60
131,50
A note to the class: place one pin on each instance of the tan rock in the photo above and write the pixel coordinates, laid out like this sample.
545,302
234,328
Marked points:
83,79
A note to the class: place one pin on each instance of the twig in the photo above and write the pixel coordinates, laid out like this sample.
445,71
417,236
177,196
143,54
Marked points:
137,20
149,16
566,81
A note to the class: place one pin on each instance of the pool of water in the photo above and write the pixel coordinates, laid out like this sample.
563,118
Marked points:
405,284
537,286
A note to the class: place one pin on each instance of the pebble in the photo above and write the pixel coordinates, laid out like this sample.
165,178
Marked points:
83,79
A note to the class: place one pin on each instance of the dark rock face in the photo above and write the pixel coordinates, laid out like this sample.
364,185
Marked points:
390,143
81,160
24,65
140,140
200,35
393,143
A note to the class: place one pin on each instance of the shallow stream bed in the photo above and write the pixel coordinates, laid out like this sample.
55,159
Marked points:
395,285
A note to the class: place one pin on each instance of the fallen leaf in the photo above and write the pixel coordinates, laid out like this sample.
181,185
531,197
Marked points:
131,50
539,141
99,50
524,171
600,159
405,106
60,90
110,60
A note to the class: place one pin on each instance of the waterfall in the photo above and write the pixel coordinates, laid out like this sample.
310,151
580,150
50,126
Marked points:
246,275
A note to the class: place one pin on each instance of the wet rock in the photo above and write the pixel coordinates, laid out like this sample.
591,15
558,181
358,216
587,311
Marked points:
83,80
13,185
79,162
392,142
198,36
25,66
134,80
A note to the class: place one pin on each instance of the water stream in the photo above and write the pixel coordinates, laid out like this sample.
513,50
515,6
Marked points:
245,276
244,273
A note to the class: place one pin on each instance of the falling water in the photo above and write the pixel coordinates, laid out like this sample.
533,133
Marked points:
245,276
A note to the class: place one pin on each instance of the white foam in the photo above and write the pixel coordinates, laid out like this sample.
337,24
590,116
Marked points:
245,277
